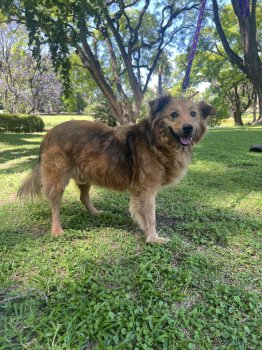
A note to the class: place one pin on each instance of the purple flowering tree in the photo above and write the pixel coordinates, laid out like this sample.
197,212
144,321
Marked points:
26,85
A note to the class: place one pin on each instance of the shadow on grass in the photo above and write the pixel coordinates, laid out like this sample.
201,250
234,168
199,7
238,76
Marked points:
203,226
22,151
21,167
6,156
21,139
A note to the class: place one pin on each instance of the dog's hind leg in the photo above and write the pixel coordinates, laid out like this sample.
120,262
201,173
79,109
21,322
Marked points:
142,209
55,175
55,201
85,199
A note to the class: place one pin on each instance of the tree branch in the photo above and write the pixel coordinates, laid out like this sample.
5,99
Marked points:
233,57
127,61
116,70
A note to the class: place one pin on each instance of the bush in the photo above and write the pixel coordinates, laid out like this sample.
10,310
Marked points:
100,111
21,123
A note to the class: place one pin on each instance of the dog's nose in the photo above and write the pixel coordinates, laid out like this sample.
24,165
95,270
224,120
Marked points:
188,129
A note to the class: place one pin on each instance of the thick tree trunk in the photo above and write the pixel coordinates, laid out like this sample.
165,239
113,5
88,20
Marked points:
251,66
123,110
238,118
237,112
252,60
127,58
92,65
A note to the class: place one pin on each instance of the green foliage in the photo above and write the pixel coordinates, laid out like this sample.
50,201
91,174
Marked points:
75,103
229,90
83,89
118,42
222,109
144,110
20,123
99,110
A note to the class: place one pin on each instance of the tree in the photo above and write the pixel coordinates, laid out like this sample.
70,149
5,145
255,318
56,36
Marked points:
119,42
240,97
83,89
163,72
249,62
26,85
230,90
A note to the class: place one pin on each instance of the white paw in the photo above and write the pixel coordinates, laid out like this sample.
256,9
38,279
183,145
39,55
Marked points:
157,239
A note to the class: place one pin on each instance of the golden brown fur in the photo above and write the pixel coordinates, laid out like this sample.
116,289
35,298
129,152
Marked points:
138,158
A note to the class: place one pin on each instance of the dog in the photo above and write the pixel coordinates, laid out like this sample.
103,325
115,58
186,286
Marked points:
139,158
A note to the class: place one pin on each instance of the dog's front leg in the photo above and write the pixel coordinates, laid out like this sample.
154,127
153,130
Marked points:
142,209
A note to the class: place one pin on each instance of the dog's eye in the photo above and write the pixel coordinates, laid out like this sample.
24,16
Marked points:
193,113
174,115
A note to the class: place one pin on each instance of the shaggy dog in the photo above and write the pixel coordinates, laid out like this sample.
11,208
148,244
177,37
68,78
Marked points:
138,158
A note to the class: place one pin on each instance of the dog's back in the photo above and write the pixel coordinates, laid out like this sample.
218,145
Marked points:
86,151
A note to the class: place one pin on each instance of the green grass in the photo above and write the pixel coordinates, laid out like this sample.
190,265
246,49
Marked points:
52,120
247,118
101,287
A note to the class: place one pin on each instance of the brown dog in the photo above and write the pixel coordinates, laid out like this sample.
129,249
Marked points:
137,158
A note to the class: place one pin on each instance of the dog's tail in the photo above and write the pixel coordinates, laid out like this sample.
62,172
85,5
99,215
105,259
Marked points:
32,185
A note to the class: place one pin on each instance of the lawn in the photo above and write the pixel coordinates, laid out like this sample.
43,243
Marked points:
101,287
52,120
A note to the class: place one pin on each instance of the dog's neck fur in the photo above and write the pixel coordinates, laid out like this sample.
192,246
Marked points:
171,159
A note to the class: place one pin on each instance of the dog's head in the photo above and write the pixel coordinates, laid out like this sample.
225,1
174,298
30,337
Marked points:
179,121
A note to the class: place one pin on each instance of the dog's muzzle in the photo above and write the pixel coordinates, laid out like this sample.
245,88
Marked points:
187,137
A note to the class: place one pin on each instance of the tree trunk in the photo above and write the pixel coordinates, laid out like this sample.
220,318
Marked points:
93,67
252,60
119,109
254,108
259,96
251,66
237,113
160,84
238,118
238,108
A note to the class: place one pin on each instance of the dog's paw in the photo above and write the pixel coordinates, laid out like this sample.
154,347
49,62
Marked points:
97,212
157,239
57,232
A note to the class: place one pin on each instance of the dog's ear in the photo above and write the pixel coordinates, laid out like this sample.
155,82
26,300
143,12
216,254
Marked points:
158,105
206,109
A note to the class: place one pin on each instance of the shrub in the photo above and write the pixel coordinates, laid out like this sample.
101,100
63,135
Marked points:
99,110
20,123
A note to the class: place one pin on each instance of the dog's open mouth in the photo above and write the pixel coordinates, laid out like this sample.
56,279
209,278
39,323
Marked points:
186,140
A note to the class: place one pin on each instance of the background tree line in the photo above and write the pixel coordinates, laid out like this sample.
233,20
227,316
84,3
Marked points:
107,52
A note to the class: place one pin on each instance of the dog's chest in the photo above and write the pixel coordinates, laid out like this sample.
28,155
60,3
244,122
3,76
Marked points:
177,165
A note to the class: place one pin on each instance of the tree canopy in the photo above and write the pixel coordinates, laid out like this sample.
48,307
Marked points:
119,42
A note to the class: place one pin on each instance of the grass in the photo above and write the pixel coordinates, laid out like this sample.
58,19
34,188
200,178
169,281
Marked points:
101,287
52,120
247,118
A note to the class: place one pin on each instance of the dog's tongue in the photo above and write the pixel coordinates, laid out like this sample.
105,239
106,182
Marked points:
186,141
